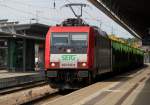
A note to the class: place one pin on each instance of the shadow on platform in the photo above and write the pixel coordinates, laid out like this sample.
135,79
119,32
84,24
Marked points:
121,77
143,97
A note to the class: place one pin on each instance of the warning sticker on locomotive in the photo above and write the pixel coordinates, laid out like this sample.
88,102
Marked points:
68,61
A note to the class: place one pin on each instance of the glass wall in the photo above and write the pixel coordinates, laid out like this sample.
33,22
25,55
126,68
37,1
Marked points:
3,53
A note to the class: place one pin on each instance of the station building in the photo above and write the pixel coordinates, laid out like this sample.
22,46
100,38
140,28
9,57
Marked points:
21,45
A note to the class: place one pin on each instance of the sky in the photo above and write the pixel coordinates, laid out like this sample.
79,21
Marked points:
43,11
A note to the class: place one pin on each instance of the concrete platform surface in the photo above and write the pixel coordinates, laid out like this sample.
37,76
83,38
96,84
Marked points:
8,79
10,75
128,89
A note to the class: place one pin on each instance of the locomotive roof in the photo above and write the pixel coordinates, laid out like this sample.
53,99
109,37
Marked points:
74,22
100,31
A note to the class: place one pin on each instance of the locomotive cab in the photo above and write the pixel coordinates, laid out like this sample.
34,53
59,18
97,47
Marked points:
67,55
68,50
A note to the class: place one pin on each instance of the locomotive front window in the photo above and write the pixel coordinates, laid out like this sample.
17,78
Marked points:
60,39
69,39
79,39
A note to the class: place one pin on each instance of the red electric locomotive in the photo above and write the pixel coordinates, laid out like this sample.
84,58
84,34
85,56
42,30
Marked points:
72,54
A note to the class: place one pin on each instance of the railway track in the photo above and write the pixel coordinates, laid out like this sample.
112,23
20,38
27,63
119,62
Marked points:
48,97
25,93
20,87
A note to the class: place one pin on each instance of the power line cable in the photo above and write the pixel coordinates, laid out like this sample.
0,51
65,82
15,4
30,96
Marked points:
29,5
25,12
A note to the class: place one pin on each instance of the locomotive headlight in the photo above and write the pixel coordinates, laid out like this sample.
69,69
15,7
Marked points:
83,64
68,50
52,64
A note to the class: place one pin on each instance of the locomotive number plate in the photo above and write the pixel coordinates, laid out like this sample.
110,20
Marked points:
68,61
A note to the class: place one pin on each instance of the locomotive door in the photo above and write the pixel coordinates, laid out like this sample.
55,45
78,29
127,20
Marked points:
103,54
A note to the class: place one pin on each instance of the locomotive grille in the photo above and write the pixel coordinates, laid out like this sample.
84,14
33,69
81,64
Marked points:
67,75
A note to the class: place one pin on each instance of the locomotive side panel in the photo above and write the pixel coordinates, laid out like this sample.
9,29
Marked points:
103,54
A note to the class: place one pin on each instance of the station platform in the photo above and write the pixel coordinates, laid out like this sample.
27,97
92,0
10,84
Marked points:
10,79
131,88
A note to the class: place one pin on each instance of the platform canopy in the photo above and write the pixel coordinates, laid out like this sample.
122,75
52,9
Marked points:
28,31
133,15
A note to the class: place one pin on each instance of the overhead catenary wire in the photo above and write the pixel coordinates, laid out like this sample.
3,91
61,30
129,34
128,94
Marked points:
35,14
113,30
94,18
43,17
29,5
26,12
